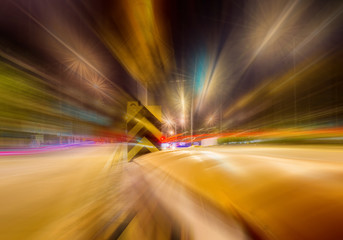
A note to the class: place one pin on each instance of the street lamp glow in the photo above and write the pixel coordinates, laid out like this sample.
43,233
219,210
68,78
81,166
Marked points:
170,123
210,119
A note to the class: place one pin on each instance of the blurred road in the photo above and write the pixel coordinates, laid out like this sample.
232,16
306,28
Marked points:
232,192
54,195
274,192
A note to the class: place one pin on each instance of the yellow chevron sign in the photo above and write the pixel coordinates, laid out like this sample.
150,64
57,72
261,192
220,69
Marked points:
143,128
144,123
143,143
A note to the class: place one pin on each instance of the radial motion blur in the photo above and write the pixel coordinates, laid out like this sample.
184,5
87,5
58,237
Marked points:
245,99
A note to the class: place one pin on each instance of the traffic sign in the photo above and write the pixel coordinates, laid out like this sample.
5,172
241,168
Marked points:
143,125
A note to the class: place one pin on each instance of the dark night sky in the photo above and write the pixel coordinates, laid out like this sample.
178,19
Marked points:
223,31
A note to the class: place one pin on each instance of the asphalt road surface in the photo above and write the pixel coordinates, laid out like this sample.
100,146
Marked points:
57,195
272,192
232,192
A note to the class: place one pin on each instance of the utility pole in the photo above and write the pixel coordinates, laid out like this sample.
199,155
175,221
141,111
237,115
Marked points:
295,87
221,114
192,110
142,90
